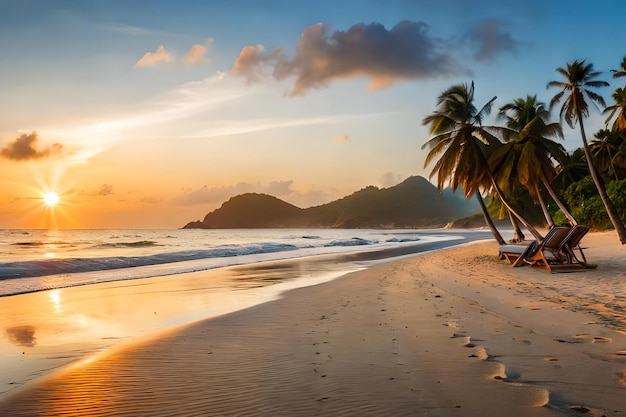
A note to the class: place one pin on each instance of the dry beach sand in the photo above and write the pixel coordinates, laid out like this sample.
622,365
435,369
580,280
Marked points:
451,333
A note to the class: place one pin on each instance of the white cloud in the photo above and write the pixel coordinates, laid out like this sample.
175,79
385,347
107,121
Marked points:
389,179
196,104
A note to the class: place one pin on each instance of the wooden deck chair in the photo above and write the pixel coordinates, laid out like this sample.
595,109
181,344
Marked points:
558,249
517,254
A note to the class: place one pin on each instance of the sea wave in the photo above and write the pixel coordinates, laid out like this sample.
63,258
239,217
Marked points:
402,240
355,241
43,267
135,244
37,244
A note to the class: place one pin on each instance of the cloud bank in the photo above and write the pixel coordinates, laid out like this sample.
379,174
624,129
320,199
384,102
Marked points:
24,148
384,56
405,52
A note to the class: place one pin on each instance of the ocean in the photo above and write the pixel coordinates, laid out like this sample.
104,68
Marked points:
36,260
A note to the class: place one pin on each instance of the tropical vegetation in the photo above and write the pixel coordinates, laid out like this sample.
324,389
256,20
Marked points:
520,162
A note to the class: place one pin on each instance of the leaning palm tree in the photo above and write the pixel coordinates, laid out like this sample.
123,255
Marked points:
528,158
458,141
579,76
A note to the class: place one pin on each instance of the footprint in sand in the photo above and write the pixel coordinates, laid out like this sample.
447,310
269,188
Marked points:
519,339
550,359
598,339
621,378
621,352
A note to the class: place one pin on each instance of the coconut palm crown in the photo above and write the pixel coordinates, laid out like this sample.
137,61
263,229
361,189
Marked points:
458,135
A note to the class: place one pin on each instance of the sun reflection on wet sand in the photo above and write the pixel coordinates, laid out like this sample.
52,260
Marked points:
55,299
44,330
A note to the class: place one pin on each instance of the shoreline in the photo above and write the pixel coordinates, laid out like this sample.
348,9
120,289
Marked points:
49,329
451,333
68,274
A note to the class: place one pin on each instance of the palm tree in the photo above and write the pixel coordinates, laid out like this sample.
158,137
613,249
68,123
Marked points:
460,138
618,110
622,71
604,148
573,169
578,78
529,157
522,111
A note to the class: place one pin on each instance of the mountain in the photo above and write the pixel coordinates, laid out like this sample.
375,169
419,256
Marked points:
412,203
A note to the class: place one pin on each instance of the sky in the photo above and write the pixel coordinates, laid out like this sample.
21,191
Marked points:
150,114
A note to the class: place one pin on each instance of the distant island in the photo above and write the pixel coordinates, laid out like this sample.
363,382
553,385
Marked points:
414,203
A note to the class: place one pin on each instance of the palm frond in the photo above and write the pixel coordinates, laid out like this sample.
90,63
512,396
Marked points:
596,98
597,84
484,111
622,71
556,98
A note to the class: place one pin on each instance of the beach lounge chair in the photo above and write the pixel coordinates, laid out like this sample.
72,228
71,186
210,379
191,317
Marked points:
517,254
564,253
557,249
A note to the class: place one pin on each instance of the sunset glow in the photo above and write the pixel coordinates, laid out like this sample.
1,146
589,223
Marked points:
148,120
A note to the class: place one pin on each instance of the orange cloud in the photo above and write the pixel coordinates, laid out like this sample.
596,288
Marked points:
104,190
152,58
24,148
340,139
197,53
251,59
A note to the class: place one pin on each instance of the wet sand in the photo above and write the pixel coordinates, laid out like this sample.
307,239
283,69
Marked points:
451,333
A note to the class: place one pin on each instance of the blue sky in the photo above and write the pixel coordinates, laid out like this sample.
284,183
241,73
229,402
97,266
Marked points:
152,113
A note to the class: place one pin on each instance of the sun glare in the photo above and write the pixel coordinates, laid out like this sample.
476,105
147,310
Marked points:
51,199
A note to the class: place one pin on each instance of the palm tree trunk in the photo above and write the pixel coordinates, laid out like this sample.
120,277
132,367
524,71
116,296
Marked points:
557,200
500,194
544,207
488,219
612,164
518,236
608,204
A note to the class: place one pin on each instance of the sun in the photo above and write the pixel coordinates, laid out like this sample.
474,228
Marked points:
51,199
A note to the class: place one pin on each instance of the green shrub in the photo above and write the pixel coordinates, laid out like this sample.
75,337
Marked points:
587,207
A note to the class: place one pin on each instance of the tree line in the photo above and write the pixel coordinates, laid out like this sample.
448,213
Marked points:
520,163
